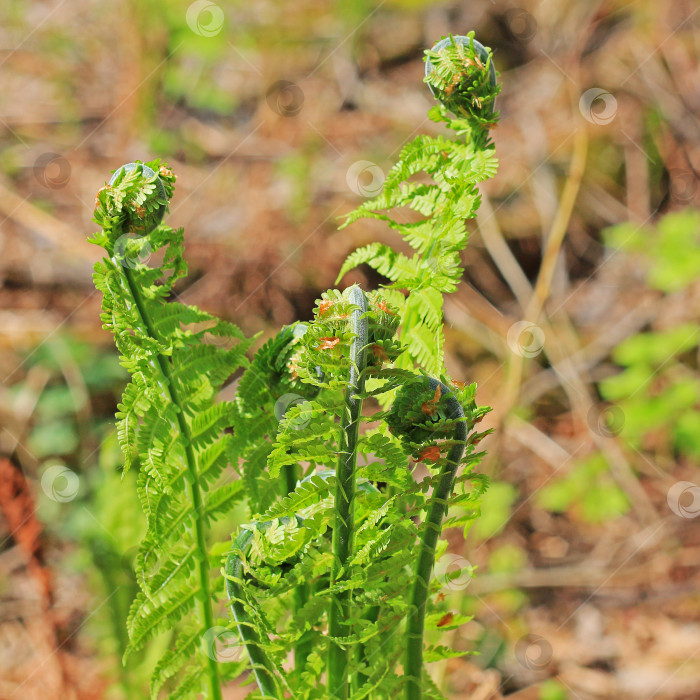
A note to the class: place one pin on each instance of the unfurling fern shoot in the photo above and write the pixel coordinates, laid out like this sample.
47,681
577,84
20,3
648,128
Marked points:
330,585
169,423
437,178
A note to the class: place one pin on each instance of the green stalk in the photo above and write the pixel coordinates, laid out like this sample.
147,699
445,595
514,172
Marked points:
303,647
371,615
343,529
290,478
262,666
415,626
192,490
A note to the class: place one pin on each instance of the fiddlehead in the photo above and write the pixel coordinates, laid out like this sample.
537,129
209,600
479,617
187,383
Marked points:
263,668
461,75
343,528
266,391
238,575
143,209
326,366
168,418
425,412
350,532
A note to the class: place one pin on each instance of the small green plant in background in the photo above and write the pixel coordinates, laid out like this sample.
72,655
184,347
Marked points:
330,585
657,393
75,451
653,403
589,488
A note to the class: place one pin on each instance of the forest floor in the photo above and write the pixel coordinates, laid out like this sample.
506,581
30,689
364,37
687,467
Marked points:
594,596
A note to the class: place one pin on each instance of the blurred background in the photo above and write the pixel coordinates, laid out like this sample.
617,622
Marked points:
278,118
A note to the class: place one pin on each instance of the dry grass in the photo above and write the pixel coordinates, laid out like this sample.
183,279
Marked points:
615,605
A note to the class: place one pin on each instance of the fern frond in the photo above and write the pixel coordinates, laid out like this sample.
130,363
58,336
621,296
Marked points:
168,415
462,77
175,659
149,617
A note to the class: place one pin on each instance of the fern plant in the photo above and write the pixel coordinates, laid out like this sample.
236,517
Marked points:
330,585
169,422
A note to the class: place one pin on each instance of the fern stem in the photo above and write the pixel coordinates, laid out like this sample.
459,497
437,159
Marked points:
260,662
343,529
290,478
192,490
426,557
302,649
371,615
